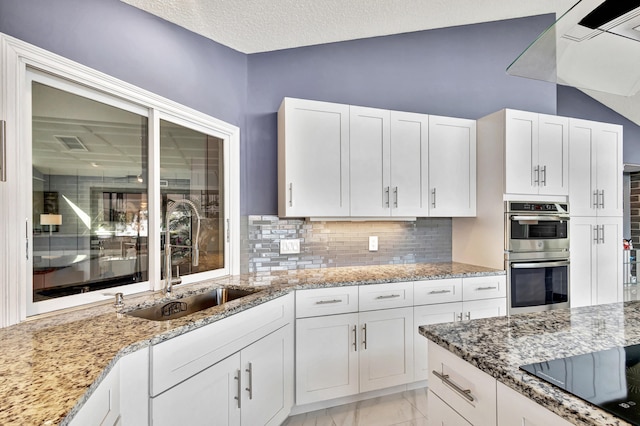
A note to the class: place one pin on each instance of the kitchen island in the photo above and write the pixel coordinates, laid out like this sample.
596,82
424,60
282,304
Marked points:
499,346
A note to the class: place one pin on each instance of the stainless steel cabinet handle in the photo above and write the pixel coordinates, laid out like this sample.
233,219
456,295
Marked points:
544,176
395,193
536,172
291,194
468,315
364,333
439,291
327,302
238,378
595,199
355,338
465,393
602,202
3,151
459,316
250,387
386,193
433,193
388,296
26,236
602,238
596,230
487,288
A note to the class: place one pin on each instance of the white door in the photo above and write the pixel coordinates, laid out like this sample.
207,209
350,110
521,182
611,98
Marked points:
386,348
582,191
208,398
553,154
485,308
409,164
425,315
452,166
369,161
267,388
608,261
584,236
608,168
521,152
313,152
326,357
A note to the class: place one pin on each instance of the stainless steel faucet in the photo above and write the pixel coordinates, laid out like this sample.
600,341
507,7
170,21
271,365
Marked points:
171,207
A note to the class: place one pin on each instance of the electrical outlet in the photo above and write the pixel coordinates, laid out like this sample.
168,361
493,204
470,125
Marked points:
290,246
373,243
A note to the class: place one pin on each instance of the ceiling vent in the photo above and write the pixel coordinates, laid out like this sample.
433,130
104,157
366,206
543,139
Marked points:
72,143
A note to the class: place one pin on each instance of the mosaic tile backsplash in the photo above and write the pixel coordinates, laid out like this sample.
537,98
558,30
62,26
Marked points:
334,244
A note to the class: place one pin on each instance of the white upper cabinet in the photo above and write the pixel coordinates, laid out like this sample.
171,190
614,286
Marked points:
351,161
452,166
370,161
313,159
536,153
595,158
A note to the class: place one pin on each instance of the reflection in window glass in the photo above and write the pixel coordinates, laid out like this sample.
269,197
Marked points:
89,194
191,184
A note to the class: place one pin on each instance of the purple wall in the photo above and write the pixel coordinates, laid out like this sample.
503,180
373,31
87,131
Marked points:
574,103
458,71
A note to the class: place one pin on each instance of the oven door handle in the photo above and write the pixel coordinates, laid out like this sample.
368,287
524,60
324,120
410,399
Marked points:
542,218
516,265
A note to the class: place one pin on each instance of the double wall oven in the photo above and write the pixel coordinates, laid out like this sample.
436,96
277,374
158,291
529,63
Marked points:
537,255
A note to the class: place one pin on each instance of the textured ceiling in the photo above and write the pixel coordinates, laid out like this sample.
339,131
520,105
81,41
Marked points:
252,26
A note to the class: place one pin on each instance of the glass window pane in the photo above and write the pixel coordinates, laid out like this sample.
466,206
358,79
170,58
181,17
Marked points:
192,188
89,194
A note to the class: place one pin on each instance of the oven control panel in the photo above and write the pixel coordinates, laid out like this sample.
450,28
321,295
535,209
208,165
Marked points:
519,206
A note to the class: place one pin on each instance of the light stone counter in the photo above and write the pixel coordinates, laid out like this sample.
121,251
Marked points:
51,365
499,346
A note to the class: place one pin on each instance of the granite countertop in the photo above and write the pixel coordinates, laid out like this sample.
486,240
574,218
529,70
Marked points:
50,365
499,346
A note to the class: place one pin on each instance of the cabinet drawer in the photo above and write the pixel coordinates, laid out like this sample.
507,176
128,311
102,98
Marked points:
384,296
458,376
441,414
476,288
437,291
326,301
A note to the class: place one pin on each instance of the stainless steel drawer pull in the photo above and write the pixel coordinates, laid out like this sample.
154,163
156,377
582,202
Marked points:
595,199
239,397
395,193
466,393
355,338
364,332
439,291
389,296
536,179
602,202
433,203
487,288
386,193
250,388
327,302
544,176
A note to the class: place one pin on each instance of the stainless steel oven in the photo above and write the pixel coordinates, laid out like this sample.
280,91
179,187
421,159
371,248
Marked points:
537,255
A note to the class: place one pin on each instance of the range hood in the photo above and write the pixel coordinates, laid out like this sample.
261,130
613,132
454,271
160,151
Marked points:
595,45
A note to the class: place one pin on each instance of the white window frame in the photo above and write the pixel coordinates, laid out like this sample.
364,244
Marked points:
16,57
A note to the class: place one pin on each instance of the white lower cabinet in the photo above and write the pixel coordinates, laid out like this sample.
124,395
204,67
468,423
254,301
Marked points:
516,409
251,387
440,414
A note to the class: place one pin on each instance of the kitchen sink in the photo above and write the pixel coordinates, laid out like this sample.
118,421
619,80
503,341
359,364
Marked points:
188,305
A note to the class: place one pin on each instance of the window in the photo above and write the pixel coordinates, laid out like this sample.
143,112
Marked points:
93,165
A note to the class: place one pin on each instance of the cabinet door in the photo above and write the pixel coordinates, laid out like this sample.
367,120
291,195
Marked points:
267,383
452,166
326,357
103,406
582,267
386,348
487,308
409,164
369,161
521,152
609,261
553,154
608,168
440,414
516,409
425,315
313,157
582,192
208,398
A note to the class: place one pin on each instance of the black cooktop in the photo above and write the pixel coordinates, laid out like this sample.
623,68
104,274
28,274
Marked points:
609,379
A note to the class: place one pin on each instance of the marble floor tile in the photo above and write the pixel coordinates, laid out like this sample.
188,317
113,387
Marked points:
418,398
422,421
383,411
314,418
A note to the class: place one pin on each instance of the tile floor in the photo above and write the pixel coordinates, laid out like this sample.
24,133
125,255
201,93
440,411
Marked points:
407,408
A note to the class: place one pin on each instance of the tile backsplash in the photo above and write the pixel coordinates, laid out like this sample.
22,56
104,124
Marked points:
333,244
